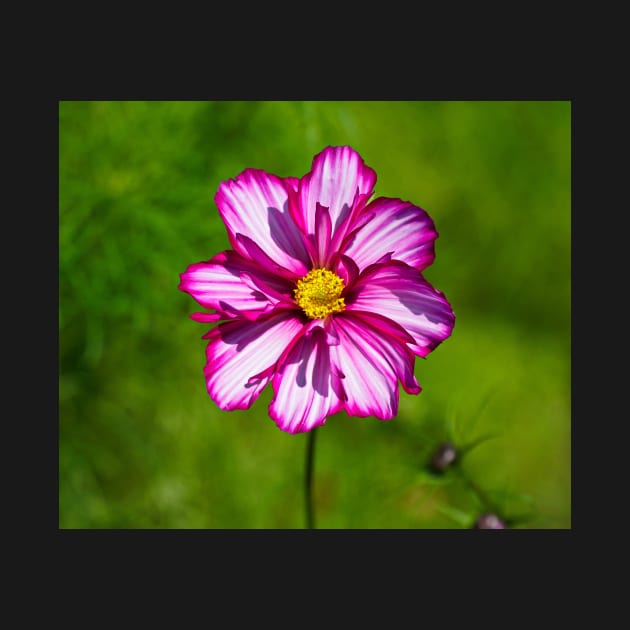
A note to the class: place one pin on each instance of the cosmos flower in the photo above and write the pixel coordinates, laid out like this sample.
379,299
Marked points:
322,294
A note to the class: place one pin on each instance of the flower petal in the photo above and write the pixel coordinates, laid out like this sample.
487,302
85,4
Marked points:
398,228
321,241
372,363
337,173
345,268
255,204
240,355
305,384
205,318
231,284
400,293
257,256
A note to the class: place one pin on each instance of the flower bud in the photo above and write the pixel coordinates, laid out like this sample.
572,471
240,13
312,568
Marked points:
444,456
489,521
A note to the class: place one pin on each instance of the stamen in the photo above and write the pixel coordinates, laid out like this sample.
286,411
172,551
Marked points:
317,293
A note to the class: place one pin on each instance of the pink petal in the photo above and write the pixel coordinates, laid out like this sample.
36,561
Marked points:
344,267
372,363
241,356
292,183
337,173
255,254
231,284
355,221
306,386
400,293
398,228
255,204
205,318
321,241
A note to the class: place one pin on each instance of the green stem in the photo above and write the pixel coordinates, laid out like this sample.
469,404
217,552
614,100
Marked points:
308,479
481,495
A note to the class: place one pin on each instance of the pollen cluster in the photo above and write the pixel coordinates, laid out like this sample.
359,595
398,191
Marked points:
317,293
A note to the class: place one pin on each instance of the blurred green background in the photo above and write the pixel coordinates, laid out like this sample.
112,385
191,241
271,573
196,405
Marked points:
141,445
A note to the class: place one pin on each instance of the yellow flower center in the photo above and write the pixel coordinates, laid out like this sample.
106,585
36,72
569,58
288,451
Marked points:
317,293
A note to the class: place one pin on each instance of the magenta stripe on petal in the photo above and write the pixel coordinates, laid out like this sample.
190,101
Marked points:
292,183
255,253
398,228
337,173
400,293
255,204
323,229
306,386
205,318
240,355
345,268
372,365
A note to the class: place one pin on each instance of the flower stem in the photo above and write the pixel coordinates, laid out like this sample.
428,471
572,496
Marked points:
481,495
308,479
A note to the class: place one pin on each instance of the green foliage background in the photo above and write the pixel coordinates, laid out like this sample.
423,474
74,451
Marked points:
141,445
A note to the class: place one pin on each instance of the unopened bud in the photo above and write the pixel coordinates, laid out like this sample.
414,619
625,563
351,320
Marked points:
489,521
443,457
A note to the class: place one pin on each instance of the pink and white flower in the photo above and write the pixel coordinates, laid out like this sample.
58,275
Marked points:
322,294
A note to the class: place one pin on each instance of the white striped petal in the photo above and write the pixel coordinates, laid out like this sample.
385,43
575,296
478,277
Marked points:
336,175
372,364
233,285
240,355
255,204
398,228
400,293
306,386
